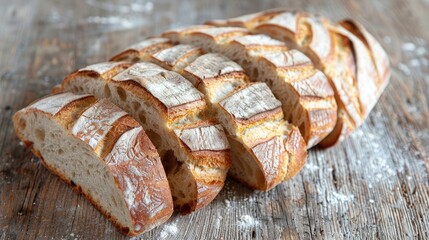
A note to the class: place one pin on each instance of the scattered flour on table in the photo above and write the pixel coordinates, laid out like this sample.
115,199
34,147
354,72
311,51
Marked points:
247,221
168,231
408,46
117,20
227,203
312,167
335,197
218,221
417,51
404,69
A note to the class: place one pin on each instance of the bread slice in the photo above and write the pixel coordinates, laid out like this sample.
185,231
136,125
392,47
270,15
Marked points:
347,55
102,152
169,107
306,95
251,114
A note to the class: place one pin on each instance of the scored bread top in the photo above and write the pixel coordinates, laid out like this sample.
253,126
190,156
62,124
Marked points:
173,34
248,20
212,65
321,42
215,75
169,88
96,121
366,75
379,55
55,103
103,68
143,49
150,42
251,103
170,57
287,60
260,41
286,20
219,34
203,138
318,79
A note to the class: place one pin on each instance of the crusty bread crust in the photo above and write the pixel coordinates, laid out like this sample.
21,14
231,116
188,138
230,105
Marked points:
269,60
378,54
119,143
241,106
142,50
345,52
179,106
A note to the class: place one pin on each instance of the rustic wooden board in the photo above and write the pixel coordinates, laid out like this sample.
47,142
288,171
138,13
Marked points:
374,185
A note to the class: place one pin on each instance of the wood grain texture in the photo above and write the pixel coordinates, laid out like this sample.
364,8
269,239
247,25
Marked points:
373,185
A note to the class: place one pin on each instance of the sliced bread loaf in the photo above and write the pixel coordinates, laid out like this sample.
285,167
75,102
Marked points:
194,150
354,62
262,156
306,95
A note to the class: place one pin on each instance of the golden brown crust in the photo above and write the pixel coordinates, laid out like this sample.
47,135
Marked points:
125,136
341,70
219,34
296,147
120,126
104,70
378,54
142,50
178,55
249,20
173,34
272,160
134,160
206,142
207,191
252,104
175,94
344,51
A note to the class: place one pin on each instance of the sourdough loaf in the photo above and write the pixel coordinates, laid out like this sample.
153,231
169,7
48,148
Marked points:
102,152
194,150
262,152
306,95
354,62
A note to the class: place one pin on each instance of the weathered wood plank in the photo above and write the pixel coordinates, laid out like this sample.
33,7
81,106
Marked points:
374,185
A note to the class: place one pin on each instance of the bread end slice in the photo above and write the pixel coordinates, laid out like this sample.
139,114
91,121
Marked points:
110,179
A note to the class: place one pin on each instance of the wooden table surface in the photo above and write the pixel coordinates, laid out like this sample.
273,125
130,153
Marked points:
373,185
